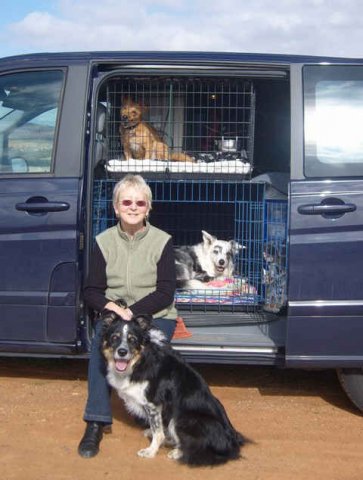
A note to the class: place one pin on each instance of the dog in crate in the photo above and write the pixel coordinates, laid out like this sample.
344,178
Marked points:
140,141
159,387
211,259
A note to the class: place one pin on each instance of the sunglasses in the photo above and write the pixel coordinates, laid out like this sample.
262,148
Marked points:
138,203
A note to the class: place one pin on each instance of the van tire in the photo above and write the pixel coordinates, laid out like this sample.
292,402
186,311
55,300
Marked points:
351,379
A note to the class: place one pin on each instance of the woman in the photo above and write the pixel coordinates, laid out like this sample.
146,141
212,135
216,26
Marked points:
133,261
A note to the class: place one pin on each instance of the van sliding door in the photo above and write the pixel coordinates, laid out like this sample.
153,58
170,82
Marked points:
325,325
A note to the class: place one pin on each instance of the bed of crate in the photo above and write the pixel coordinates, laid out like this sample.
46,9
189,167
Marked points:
227,210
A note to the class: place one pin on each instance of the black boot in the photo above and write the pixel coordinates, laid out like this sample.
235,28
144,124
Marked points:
90,443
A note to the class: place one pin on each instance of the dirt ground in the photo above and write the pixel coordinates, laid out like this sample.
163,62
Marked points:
302,425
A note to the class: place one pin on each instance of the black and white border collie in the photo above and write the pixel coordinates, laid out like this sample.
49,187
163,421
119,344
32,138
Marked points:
212,259
158,386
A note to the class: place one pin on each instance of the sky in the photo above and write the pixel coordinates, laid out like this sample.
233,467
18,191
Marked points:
308,27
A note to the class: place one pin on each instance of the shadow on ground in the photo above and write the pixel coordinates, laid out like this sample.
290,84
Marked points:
270,381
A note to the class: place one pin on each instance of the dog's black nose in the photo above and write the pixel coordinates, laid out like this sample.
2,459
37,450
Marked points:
221,262
124,117
122,352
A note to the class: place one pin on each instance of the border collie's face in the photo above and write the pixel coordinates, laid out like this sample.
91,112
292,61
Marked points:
222,256
221,253
123,342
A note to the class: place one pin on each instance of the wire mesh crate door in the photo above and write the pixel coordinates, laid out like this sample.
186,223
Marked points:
249,234
234,233
184,125
103,216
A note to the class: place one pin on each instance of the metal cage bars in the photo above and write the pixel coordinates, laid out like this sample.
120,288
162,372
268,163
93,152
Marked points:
228,210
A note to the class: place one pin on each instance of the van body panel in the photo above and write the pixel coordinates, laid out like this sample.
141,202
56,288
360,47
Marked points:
39,260
330,342
325,278
150,57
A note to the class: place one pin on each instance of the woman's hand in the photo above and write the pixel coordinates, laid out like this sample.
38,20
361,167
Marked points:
124,313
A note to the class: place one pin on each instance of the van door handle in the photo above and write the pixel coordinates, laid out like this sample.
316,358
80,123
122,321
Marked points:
39,205
329,208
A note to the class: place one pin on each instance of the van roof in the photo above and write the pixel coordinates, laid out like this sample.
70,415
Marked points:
149,57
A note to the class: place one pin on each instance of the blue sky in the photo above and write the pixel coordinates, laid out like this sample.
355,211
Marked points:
313,27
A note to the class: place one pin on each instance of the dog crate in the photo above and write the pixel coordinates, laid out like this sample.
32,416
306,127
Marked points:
227,210
210,121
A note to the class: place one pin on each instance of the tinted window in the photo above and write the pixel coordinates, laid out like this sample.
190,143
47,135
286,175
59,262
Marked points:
333,107
29,104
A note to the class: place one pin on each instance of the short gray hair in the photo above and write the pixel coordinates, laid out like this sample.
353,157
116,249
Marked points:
132,181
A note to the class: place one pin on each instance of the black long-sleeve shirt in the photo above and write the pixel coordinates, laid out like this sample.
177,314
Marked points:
96,284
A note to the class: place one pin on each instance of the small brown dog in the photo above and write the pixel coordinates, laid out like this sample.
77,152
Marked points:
141,141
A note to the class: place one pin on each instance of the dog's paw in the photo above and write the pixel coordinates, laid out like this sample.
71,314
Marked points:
204,277
175,454
146,453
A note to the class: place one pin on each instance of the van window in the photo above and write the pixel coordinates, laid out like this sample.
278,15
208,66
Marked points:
333,107
29,103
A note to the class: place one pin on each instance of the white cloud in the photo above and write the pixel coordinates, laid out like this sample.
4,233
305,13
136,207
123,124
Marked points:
322,27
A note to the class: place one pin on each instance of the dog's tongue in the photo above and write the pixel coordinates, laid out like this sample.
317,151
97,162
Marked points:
121,365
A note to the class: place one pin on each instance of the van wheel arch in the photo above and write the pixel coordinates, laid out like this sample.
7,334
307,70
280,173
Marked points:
351,379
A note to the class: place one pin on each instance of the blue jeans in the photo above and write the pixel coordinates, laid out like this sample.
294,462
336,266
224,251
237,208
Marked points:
98,407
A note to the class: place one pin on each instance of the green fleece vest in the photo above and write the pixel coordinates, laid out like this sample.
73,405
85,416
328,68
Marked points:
131,264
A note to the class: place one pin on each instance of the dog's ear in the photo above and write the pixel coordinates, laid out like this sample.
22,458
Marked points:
127,101
144,321
236,247
107,316
107,319
143,107
131,102
208,239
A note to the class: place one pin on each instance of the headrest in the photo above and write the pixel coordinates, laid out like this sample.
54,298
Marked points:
101,118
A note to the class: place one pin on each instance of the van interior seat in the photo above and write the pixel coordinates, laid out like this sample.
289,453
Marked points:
101,143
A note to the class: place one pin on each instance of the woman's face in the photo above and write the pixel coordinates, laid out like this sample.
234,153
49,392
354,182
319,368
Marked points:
132,208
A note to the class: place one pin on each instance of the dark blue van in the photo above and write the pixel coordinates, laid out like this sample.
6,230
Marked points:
275,162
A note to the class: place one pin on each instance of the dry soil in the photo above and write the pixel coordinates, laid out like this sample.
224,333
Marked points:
301,423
